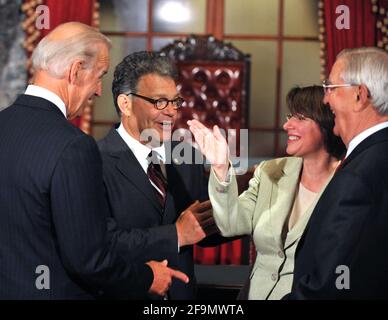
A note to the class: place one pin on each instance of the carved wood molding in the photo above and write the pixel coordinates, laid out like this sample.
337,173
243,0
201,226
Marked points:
199,47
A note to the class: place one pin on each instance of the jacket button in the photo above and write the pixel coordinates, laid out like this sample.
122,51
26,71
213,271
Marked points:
220,190
281,254
274,276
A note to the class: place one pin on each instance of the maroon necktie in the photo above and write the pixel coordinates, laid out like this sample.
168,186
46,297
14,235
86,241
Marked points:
340,165
155,174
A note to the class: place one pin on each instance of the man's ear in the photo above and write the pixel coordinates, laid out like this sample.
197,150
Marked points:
73,72
362,97
125,104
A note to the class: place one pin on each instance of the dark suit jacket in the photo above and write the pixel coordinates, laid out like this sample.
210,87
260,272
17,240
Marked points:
349,227
53,211
134,207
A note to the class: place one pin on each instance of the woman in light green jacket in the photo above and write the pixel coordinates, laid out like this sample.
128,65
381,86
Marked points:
277,205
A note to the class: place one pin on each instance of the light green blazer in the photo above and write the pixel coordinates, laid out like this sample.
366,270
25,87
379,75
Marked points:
262,211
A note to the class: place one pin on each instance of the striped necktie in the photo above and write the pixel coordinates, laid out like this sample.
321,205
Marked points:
155,175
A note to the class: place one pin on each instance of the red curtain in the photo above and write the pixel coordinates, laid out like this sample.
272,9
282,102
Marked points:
362,31
71,10
59,12
227,253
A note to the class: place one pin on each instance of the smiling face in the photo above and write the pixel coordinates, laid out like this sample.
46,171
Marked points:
88,83
304,137
145,116
341,100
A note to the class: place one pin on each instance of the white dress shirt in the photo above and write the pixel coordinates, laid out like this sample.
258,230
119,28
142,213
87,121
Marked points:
40,92
363,135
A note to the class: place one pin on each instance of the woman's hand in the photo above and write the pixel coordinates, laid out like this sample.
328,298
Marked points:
213,146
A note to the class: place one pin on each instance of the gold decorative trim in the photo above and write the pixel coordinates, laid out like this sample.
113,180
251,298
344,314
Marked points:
380,10
321,37
32,34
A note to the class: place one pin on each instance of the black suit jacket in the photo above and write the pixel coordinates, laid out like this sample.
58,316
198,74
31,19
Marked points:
53,211
135,208
348,231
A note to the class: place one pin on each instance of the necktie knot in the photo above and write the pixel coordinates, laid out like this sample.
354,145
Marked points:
153,157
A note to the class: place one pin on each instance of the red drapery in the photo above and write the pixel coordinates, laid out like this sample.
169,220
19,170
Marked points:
72,10
361,32
84,11
69,10
227,253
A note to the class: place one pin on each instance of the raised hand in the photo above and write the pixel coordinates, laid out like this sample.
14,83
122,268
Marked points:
213,146
163,277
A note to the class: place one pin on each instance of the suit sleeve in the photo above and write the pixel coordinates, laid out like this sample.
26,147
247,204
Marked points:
336,239
234,214
142,245
79,213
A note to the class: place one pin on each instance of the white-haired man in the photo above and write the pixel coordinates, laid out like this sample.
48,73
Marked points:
343,254
54,240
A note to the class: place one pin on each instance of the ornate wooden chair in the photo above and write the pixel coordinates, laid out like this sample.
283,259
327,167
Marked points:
213,78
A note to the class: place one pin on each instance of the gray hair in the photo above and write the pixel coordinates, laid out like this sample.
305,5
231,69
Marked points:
368,66
129,71
56,55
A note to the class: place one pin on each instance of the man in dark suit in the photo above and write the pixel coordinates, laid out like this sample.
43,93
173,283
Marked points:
343,254
159,225
54,240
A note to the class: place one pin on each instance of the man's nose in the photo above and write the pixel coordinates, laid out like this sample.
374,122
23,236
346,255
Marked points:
170,110
326,99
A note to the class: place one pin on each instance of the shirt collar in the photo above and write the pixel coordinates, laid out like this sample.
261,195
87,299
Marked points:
140,150
33,90
363,135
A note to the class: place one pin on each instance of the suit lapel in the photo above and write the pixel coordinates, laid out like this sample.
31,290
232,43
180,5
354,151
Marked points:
129,167
175,172
132,170
282,197
170,210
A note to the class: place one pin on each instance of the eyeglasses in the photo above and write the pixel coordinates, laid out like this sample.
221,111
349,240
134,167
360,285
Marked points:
328,87
161,103
298,116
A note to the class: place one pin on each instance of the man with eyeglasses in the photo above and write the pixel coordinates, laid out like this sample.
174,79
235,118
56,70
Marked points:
343,254
150,195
